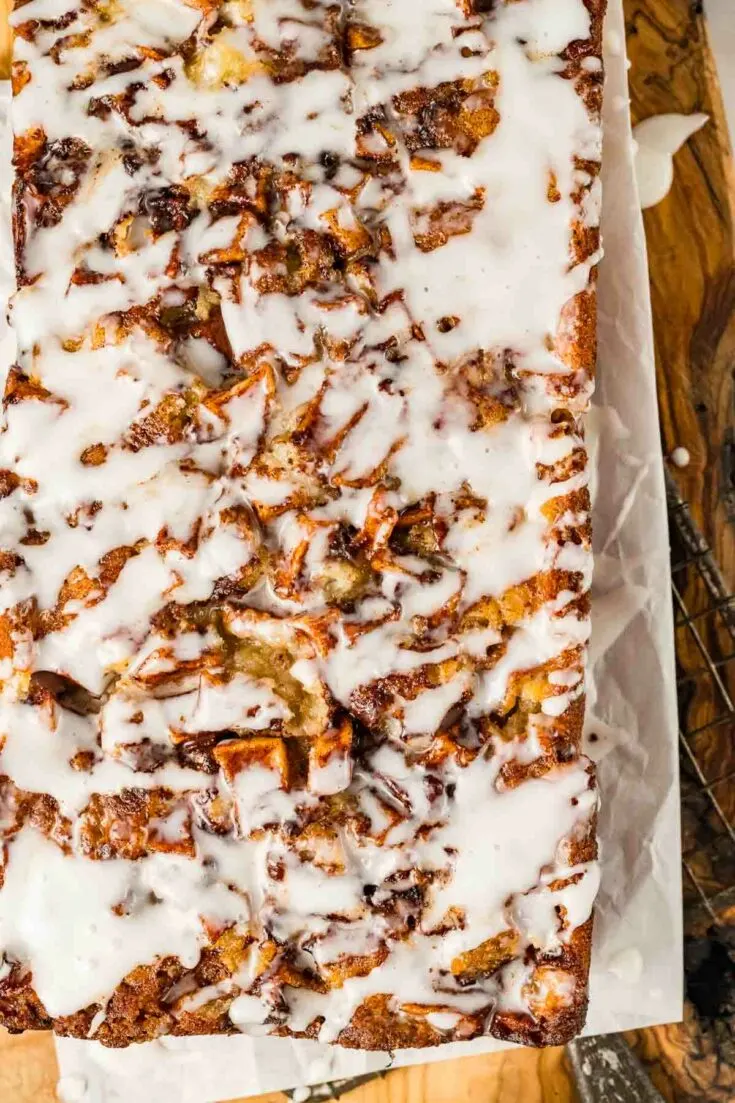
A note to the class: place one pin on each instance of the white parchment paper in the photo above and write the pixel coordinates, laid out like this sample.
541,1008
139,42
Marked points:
636,977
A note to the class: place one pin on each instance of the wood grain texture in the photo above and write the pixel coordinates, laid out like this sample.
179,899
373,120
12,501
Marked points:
28,1074
518,1076
691,245
692,261
691,242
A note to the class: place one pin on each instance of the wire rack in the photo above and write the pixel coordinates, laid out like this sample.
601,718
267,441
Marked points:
704,620
704,612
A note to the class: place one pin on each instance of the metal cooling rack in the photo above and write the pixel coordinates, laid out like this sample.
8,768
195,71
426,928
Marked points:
704,612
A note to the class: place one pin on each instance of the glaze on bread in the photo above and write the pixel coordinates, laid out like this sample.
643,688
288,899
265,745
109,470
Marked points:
295,520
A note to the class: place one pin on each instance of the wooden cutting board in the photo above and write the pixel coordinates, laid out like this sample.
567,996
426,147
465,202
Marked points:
691,246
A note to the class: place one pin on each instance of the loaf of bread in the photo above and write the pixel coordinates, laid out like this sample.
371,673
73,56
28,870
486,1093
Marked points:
295,536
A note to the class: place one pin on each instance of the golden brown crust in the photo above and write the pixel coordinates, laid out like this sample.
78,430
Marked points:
144,1006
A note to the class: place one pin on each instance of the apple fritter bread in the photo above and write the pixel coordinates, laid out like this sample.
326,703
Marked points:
295,538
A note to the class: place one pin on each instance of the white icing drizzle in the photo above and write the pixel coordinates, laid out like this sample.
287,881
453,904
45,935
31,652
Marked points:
657,139
294,537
